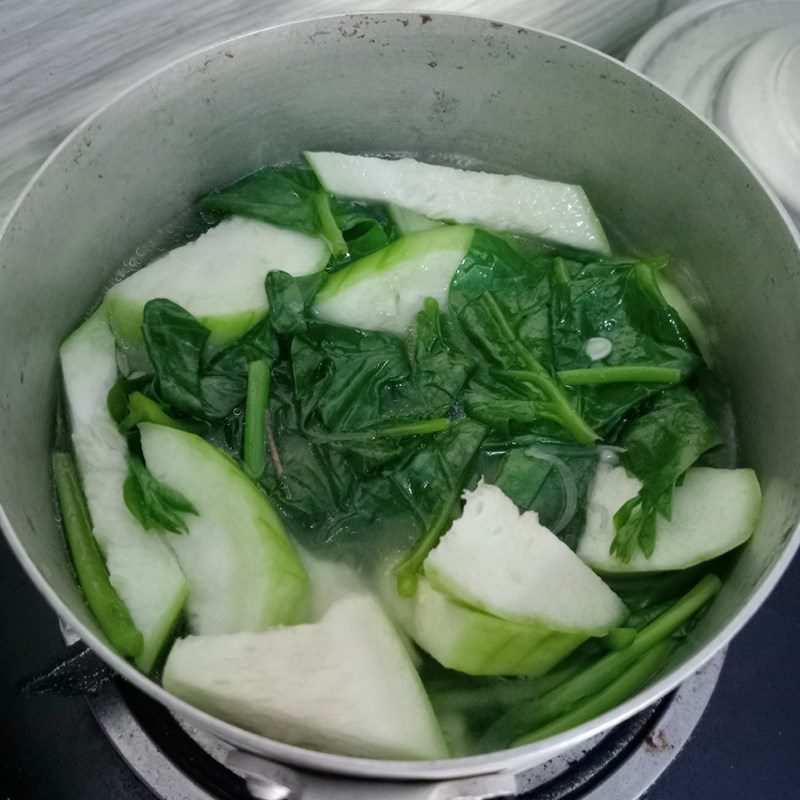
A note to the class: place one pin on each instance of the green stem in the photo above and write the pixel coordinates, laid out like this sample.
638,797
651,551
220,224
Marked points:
142,409
415,428
622,374
329,229
561,700
619,638
506,693
407,570
255,418
616,692
570,419
110,612
566,414
599,674
560,267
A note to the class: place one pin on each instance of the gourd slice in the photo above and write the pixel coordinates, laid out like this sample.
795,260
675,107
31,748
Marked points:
244,572
219,277
344,684
384,290
560,212
141,566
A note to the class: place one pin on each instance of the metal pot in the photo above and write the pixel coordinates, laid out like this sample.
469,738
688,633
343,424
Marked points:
513,98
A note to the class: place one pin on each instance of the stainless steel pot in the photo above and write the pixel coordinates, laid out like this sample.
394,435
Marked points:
515,98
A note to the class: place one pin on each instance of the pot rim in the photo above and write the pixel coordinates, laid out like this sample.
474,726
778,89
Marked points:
303,758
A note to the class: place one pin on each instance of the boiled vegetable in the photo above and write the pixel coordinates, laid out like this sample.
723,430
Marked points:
141,567
218,278
108,609
713,511
475,642
408,221
593,679
386,289
505,563
620,689
499,303
511,203
190,376
344,684
153,503
658,447
244,573
292,197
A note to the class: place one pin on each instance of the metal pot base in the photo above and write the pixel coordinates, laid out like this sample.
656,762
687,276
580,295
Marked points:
180,762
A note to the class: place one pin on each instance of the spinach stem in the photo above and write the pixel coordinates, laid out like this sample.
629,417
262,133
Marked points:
533,715
569,418
598,675
622,374
330,230
255,420
415,428
142,409
407,570
560,267
110,612
612,695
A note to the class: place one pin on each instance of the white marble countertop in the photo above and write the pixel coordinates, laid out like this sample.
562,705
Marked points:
62,59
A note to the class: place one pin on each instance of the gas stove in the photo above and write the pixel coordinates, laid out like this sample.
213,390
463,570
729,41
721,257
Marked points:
729,732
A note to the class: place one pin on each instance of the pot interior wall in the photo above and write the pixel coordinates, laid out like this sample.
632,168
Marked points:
513,98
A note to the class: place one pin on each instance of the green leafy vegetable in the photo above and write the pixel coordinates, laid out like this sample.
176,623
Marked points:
501,304
141,408
425,493
288,196
327,502
189,376
153,503
108,609
292,197
620,303
659,447
552,479
347,379
289,299
367,227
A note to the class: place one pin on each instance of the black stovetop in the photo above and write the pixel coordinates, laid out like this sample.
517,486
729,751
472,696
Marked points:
743,749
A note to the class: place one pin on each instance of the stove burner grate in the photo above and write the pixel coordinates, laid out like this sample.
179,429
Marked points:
179,762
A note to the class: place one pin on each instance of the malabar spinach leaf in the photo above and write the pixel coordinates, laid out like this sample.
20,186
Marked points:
420,498
287,196
289,299
366,227
328,503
